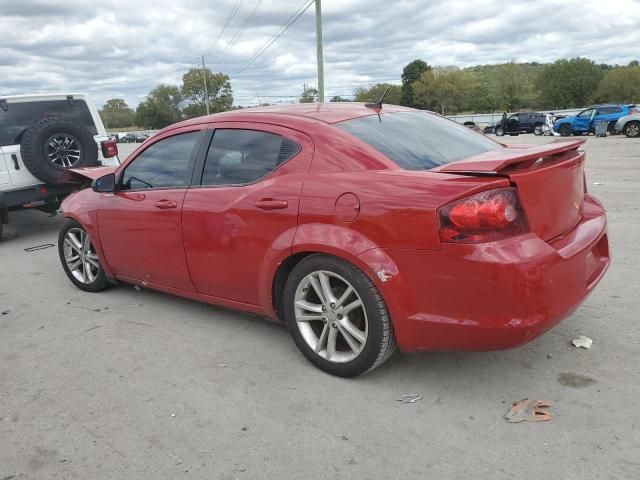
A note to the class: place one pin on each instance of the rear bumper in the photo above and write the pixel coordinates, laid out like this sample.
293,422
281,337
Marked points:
496,295
33,196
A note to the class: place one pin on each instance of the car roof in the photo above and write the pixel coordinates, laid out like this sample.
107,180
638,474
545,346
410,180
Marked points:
332,112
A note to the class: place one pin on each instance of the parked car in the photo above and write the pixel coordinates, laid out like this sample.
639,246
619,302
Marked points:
585,122
629,125
522,122
360,228
42,136
133,137
472,125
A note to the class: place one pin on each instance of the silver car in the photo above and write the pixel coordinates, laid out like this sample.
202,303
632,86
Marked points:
629,125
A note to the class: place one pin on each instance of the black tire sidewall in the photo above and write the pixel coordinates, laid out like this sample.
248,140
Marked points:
499,132
565,130
33,144
100,283
625,130
370,353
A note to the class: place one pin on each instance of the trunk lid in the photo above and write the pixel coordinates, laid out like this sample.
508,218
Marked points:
549,179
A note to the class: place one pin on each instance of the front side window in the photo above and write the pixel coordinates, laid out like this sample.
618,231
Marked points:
418,140
586,113
20,115
165,164
239,157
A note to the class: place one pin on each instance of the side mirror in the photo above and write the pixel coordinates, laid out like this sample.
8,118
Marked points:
105,184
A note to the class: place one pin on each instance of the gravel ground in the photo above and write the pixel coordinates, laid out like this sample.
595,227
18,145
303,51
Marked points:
130,384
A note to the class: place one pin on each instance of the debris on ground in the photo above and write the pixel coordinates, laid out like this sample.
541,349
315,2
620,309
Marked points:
598,183
39,247
137,288
575,380
6,312
135,305
528,411
173,415
222,365
413,398
245,428
582,341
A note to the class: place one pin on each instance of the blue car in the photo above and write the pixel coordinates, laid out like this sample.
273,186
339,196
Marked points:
585,121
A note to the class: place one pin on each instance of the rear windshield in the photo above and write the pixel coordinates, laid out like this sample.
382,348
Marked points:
19,116
418,140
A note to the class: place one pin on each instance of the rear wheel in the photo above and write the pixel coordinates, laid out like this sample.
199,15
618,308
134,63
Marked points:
632,129
79,258
337,317
537,130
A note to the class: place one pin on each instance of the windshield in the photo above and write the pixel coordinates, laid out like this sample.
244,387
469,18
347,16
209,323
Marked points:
418,140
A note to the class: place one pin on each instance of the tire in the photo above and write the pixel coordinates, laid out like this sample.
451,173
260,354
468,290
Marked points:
89,275
611,128
632,129
372,341
537,130
565,130
499,132
54,144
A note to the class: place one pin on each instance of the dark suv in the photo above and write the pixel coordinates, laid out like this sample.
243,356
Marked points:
522,122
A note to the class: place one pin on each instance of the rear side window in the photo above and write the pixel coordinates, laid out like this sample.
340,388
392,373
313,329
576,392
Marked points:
418,140
238,157
20,116
165,164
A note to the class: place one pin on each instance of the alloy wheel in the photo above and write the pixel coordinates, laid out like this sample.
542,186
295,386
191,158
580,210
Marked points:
633,130
331,316
80,256
62,150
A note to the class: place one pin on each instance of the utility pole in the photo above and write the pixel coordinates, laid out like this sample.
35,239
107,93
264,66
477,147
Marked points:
204,80
319,50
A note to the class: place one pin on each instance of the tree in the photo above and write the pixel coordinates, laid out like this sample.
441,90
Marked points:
569,83
622,84
444,87
310,95
115,105
375,92
511,86
338,98
116,114
410,73
161,107
218,89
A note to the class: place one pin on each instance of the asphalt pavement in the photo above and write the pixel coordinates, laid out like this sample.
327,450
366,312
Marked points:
129,384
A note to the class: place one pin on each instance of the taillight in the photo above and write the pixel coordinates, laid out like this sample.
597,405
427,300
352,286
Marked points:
109,148
483,217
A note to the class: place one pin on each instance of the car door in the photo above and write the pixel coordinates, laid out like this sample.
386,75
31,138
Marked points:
583,120
241,220
140,224
4,170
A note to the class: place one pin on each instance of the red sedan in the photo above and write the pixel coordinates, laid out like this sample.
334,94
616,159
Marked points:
361,228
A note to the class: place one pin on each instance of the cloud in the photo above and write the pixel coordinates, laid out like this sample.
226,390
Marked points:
121,48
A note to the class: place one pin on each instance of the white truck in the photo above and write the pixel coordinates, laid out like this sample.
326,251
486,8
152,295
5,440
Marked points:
41,136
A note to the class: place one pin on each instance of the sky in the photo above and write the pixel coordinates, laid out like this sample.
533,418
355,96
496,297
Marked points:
124,48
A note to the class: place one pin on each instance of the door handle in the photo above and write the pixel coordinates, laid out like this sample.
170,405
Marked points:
165,204
271,204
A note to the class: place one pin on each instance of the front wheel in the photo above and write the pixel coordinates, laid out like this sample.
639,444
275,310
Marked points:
537,130
337,317
565,130
632,129
499,132
79,258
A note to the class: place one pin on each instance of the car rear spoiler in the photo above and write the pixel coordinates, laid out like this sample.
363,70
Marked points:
494,161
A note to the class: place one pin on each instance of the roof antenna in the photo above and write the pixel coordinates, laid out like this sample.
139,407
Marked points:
377,106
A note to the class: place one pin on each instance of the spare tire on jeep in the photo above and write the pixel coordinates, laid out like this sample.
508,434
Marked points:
54,144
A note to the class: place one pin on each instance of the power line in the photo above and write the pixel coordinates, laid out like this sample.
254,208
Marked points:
237,35
234,11
290,21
